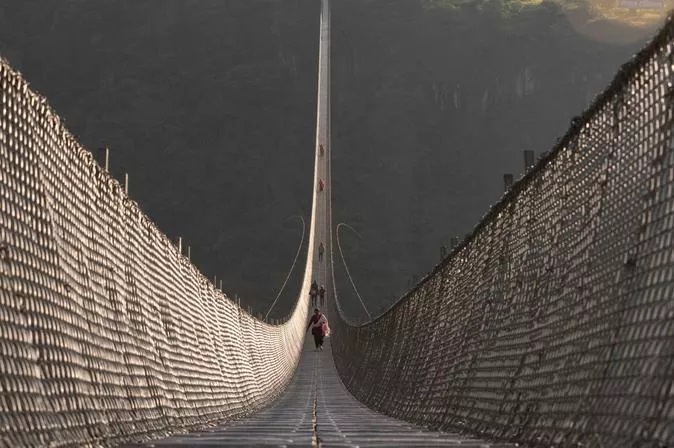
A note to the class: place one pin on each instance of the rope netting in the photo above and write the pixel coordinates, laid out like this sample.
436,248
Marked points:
553,322
107,332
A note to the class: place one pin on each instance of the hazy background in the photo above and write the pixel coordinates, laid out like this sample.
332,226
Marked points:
209,105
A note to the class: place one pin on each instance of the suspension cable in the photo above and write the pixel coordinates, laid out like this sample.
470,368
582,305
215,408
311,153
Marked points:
346,268
292,267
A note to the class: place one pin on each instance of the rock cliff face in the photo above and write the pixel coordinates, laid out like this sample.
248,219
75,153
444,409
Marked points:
209,105
432,106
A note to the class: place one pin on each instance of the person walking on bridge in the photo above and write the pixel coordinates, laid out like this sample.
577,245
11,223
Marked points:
313,292
322,150
321,294
321,251
319,328
321,185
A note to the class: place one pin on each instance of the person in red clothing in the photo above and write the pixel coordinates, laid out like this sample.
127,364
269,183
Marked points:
321,185
319,327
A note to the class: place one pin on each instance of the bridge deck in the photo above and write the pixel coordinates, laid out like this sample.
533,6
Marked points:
318,410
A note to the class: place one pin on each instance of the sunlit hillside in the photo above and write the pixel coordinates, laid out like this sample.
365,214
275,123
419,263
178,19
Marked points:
613,21
620,21
633,12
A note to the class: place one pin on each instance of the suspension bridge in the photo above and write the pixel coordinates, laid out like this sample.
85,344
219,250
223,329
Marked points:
551,324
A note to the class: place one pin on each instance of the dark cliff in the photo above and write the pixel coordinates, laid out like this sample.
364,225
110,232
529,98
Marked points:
209,105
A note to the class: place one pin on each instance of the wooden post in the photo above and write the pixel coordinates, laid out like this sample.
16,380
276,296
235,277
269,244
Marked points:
189,253
528,160
126,183
180,245
104,158
507,181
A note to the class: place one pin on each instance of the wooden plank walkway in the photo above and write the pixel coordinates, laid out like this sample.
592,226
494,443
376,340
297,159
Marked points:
317,410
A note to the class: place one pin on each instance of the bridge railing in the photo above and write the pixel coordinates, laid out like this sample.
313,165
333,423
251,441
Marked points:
107,332
553,322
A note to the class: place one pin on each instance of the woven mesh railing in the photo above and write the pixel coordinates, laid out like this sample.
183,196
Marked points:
553,322
107,333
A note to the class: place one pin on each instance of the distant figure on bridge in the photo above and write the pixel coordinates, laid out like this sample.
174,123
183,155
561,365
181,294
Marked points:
321,185
321,250
321,149
319,328
313,292
321,294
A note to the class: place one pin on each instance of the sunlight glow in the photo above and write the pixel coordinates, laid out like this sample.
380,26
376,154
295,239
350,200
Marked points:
618,21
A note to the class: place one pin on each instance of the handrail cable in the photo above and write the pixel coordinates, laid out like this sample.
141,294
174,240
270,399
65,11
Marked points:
292,267
346,268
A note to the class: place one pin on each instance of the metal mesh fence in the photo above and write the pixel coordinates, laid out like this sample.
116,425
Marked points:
553,322
107,333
